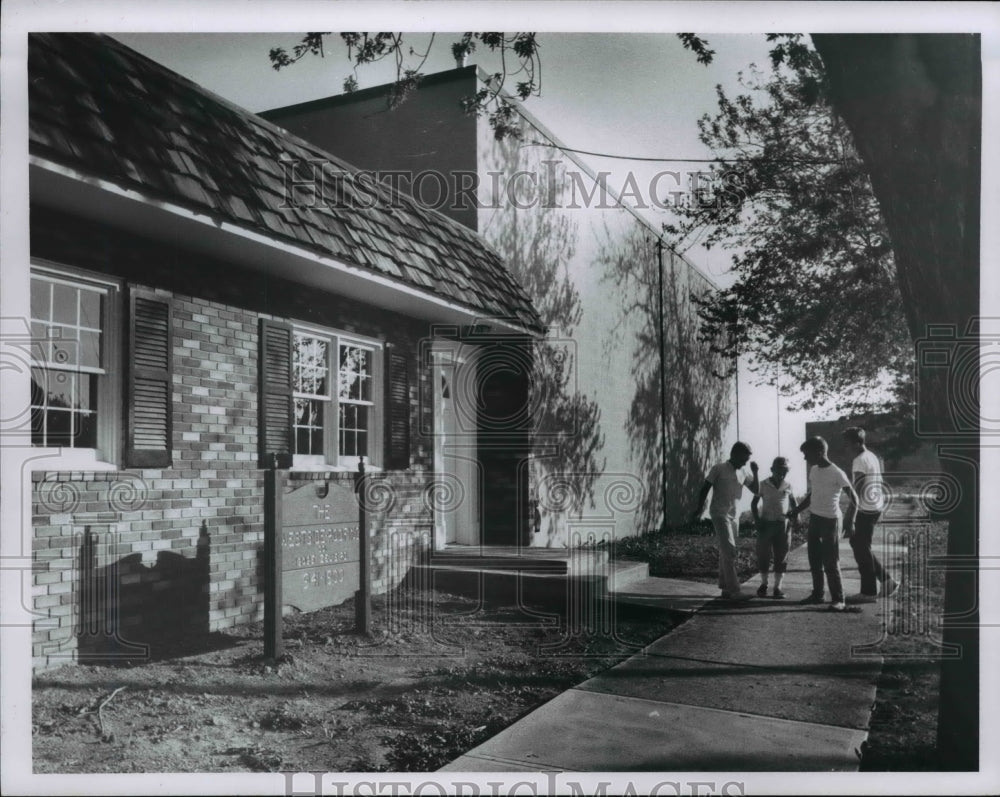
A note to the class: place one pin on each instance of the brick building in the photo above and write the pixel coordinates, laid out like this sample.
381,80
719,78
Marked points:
192,326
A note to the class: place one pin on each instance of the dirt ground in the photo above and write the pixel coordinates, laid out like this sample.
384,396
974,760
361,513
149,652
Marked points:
440,676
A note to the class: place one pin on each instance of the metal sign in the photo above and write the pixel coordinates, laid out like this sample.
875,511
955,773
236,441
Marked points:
319,538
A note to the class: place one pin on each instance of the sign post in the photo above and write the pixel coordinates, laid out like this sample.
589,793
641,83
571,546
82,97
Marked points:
363,597
274,488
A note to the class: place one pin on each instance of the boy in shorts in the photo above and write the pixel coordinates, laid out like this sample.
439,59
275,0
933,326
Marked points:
774,534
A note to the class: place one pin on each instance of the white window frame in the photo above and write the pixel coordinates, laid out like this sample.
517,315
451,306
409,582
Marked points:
331,458
107,453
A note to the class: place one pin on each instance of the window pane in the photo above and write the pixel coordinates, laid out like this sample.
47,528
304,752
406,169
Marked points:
64,303
90,309
59,432
355,373
61,390
90,349
86,430
65,347
308,426
40,293
353,430
40,346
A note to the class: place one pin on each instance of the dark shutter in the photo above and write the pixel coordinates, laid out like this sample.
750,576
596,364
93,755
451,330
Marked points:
397,411
275,433
148,421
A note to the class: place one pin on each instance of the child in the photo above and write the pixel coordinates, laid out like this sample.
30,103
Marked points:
773,530
826,483
726,481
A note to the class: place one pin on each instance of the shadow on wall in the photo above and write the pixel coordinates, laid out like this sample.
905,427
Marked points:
697,403
128,611
537,242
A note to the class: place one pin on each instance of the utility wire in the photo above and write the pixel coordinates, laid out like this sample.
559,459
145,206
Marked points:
672,160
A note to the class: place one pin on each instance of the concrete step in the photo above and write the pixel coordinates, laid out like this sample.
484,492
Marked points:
560,561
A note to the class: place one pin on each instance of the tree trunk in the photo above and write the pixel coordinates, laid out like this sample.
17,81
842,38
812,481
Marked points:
913,103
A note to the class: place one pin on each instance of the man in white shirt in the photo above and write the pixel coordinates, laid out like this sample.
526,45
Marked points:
726,482
867,476
826,483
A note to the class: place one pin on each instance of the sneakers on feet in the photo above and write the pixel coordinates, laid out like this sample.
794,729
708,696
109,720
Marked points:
839,606
778,593
814,598
762,591
861,598
889,587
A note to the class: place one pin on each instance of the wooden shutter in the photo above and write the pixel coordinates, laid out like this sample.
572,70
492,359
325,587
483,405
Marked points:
275,432
149,402
397,410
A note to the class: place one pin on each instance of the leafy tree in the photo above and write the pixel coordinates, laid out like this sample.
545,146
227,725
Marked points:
815,302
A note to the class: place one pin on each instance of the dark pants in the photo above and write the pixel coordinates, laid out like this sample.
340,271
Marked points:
869,567
824,556
773,536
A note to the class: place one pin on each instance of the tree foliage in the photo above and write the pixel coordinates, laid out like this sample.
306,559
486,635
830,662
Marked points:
519,64
815,302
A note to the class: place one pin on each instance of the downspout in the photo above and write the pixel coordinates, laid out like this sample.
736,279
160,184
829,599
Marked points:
663,390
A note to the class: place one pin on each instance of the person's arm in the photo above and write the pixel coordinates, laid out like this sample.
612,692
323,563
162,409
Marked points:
702,495
753,509
798,508
852,510
755,483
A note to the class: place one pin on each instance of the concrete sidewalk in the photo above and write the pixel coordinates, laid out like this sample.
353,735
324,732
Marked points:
770,685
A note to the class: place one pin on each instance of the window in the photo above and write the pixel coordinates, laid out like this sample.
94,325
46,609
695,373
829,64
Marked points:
79,379
73,398
335,401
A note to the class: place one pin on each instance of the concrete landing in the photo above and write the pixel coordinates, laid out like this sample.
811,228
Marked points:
768,685
667,594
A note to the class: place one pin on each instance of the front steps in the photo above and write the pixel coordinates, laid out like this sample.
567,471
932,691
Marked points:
562,580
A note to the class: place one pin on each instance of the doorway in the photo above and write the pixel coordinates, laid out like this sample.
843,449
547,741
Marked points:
456,491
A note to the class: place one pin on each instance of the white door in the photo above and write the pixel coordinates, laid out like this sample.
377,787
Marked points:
455,494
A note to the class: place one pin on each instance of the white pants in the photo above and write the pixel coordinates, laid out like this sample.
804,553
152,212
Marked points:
725,534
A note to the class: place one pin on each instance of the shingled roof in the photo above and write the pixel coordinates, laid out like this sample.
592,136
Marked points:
107,111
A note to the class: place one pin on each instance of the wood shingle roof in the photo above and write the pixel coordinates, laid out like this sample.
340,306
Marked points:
106,111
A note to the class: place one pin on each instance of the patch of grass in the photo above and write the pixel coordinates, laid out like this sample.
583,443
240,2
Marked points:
903,729
690,551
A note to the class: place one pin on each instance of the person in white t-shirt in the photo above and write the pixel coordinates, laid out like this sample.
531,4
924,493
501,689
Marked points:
826,483
774,534
726,482
866,472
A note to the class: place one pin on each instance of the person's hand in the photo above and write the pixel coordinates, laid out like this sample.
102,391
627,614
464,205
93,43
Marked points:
754,467
848,529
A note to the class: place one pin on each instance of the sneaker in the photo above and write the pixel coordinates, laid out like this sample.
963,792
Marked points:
839,606
813,598
778,593
889,587
861,598
762,591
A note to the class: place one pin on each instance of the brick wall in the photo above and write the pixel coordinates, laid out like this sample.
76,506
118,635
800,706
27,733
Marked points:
178,550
